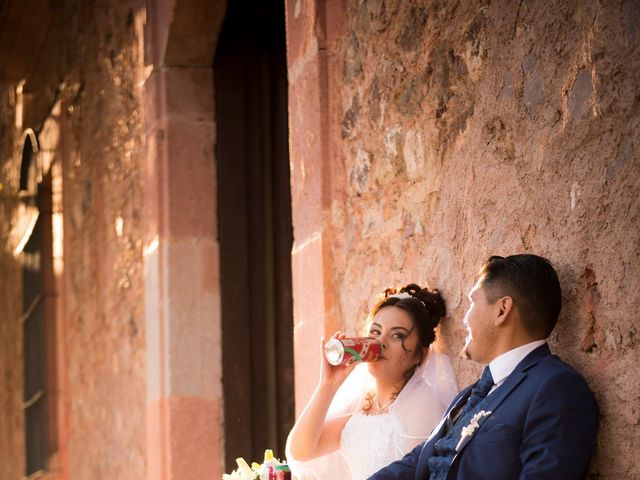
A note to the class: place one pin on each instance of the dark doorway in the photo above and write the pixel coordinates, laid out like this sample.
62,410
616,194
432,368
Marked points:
255,233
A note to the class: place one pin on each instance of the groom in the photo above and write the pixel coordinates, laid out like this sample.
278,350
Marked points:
530,415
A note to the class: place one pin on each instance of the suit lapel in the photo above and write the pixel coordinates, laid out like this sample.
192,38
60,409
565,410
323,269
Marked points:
519,374
494,400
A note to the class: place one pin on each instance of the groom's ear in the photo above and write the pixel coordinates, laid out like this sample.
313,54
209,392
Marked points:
504,307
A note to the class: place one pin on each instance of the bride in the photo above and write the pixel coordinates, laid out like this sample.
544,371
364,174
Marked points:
361,418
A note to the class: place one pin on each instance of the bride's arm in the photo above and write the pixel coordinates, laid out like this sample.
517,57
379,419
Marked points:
312,436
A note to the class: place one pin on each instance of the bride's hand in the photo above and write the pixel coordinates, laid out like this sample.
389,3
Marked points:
333,376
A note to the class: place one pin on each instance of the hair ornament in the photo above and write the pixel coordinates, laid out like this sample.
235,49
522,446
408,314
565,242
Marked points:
404,295
401,295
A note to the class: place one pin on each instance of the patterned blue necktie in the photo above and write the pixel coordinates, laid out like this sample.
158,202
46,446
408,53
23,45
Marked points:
445,448
480,391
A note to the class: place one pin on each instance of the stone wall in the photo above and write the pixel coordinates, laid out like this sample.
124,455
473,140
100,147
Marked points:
103,215
89,129
11,379
457,130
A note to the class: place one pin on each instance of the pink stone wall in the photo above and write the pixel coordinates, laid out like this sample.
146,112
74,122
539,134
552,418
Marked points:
11,414
450,131
103,214
91,139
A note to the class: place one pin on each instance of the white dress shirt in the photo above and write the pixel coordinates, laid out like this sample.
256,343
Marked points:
502,366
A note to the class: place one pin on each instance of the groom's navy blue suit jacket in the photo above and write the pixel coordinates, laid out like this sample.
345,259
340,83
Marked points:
543,425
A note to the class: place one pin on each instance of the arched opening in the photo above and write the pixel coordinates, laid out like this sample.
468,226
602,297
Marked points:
29,174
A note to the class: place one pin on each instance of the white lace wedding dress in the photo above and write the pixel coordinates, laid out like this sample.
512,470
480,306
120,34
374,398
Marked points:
369,442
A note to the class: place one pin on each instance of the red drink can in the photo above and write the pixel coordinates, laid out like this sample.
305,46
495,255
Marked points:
275,472
345,351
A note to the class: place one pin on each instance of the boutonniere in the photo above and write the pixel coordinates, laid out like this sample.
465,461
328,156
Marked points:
470,429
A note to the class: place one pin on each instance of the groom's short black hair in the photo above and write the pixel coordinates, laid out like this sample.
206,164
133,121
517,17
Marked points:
532,283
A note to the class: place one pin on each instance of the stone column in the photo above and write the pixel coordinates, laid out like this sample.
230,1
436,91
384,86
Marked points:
184,389
310,127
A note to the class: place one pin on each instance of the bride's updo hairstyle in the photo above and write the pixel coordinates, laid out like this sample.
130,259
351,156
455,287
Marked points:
425,307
